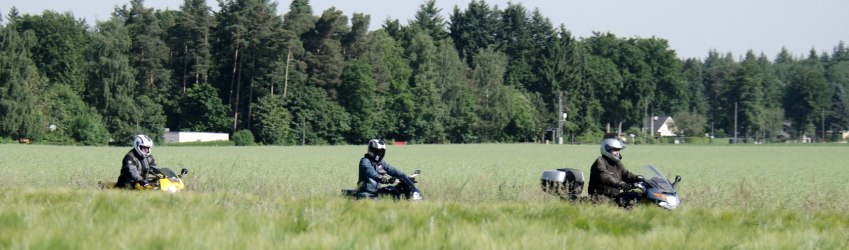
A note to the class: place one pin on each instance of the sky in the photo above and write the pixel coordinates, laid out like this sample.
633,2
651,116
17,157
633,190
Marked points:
692,28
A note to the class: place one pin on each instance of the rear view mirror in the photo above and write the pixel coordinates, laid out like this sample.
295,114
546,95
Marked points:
417,171
184,171
677,179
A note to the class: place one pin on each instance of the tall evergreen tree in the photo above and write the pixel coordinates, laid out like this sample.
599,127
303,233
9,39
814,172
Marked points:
516,41
718,71
149,54
252,42
807,95
61,43
113,90
20,85
296,22
429,20
324,50
494,97
355,41
747,91
474,29
693,72
773,88
191,47
109,70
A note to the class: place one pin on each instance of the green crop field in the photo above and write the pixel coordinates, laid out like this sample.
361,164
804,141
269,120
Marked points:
476,197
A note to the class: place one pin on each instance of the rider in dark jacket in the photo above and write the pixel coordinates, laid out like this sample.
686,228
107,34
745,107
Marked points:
137,164
374,171
608,176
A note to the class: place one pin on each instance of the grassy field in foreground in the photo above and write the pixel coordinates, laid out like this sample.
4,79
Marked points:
477,196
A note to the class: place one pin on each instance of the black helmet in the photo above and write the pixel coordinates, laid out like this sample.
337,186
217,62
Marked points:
376,149
611,143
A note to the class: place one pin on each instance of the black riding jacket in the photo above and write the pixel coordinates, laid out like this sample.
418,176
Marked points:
606,176
134,169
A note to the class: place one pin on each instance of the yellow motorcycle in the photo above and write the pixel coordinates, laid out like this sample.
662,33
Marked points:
165,180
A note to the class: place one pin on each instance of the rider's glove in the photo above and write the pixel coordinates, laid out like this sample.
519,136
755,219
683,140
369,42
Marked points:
624,185
386,179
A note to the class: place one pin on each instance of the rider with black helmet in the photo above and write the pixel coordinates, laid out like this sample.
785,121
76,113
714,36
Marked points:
137,164
374,171
608,176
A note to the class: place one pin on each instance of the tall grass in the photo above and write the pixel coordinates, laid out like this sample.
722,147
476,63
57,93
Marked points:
477,196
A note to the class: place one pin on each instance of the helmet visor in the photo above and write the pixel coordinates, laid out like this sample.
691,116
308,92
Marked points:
144,149
379,153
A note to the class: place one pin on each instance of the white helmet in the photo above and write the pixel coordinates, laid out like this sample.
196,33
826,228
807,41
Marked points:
611,143
143,141
376,149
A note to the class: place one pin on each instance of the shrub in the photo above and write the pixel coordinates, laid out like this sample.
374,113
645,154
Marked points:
243,138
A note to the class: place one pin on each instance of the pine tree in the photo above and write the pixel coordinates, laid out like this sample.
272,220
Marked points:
60,49
19,86
149,54
429,20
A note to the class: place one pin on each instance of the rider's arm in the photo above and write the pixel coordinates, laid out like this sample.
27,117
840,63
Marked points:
627,176
392,171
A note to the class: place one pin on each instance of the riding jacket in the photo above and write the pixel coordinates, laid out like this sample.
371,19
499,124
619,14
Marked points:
134,169
606,176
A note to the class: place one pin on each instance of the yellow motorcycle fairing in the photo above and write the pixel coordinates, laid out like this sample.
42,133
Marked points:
171,185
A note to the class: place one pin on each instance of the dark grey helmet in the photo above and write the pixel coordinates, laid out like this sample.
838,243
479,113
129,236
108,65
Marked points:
611,143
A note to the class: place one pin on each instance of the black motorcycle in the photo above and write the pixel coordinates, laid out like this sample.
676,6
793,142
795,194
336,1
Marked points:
394,188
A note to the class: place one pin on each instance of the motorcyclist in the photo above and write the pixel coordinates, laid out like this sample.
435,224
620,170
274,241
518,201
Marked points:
374,171
137,164
608,176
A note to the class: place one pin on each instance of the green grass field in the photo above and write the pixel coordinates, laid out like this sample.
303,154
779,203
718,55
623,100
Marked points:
477,197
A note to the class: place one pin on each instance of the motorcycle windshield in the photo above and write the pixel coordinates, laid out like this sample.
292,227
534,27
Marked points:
656,179
167,172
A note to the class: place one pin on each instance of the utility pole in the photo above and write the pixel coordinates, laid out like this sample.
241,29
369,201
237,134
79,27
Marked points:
735,122
822,126
560,117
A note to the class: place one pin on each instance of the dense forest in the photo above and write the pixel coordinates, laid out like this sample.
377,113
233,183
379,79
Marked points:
482,74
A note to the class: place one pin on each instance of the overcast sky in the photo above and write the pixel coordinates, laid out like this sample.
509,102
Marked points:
691,27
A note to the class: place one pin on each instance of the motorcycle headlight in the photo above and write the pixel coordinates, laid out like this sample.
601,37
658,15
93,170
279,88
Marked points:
670,203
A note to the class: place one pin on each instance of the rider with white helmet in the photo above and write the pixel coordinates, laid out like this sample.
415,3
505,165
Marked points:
137,164
608,176
374,171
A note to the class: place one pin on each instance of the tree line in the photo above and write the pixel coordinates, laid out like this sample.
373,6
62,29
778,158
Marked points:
483,74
